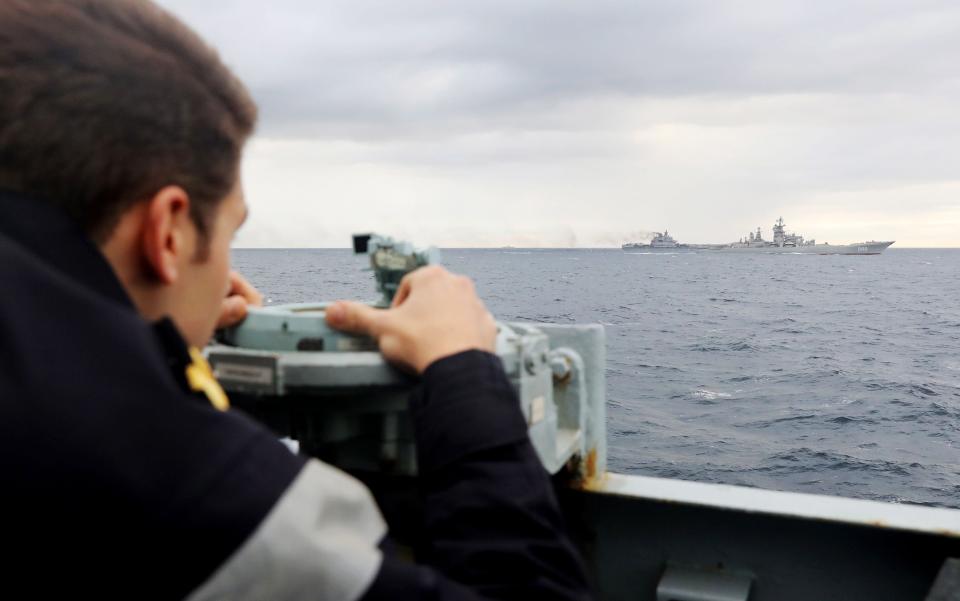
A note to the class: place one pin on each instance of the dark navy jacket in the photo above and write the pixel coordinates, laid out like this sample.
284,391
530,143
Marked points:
120,482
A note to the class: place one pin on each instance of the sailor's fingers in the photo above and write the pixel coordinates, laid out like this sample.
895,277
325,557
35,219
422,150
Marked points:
240,286
435,314
491,329
232,311
403,291
356,318
417,277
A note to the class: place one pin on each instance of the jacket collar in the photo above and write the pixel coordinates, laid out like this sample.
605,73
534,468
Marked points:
57,240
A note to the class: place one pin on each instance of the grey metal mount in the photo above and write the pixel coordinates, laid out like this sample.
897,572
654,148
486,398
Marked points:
335,394
345,398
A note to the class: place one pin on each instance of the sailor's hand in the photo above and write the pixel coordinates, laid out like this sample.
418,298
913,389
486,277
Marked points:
241,295
434,314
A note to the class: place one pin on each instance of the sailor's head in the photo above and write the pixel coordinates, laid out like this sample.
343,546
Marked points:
122,116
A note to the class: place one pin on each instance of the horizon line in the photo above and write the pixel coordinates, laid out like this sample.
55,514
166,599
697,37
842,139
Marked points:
530,248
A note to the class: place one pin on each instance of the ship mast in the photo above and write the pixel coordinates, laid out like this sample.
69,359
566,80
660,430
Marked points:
779,233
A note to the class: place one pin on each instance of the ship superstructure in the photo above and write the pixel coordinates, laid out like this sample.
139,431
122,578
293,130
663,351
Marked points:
660,241
781,239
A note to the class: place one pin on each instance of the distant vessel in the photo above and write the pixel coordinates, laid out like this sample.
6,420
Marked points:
660,241
783,243
795,243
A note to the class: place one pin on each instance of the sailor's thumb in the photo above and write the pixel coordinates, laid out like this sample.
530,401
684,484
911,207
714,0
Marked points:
355,318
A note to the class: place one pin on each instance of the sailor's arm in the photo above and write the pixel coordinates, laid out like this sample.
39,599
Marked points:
492,525
493,528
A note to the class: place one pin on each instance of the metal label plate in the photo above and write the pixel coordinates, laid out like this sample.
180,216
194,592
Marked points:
246,373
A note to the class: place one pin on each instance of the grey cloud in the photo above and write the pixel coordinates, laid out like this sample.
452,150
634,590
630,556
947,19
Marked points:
671,111
342,68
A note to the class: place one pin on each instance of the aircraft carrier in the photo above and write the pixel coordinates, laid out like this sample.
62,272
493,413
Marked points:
660,242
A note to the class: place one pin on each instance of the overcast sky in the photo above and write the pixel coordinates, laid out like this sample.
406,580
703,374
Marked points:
553,123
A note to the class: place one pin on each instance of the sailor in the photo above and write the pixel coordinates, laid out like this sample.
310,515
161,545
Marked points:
125,472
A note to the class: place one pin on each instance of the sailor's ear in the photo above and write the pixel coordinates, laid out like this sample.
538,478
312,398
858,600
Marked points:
167,232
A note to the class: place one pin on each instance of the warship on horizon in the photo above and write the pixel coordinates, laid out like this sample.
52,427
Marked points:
783,243
660,242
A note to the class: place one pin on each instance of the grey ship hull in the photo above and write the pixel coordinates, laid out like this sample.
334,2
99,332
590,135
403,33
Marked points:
656,249
657,539
861,248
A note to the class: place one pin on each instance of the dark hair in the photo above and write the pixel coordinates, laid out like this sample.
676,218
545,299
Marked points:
105,102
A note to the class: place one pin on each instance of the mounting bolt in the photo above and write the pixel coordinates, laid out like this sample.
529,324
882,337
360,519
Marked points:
562,370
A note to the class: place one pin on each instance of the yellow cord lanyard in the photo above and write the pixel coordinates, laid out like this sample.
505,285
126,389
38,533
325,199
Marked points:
200,379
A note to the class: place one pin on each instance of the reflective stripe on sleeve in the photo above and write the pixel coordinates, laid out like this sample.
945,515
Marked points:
319,542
